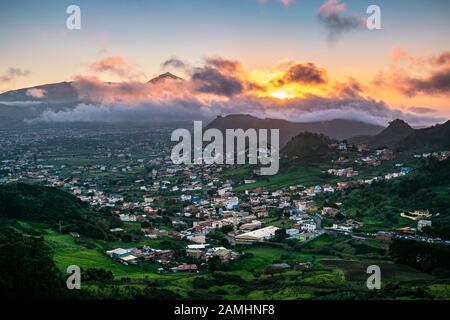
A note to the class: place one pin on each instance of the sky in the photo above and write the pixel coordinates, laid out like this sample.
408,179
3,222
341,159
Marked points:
277,43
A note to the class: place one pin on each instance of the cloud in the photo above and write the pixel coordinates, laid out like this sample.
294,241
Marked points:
223,86
36,93
285,3
437,83
13,73
93,90
314,108
308,109
227,66
21,103
142,112
421,110
412,75
331,15
442,59
220,76
303,73
174,63
211,80
115,65
349,89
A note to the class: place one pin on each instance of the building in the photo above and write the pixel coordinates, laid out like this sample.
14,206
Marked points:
383,236
123,255
308,226
281,266
127,218
416,215
197,238
387,154
251,226
232,204
423,223
292,232
330,212
406,170
259,235
187,268
224,254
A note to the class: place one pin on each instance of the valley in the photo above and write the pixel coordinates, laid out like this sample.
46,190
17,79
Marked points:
110,201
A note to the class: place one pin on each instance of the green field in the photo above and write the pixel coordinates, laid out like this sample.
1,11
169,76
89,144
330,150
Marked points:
300,175
329,274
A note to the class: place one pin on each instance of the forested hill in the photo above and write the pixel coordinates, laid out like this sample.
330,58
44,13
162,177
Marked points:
307,147
427,188
52,206
35,203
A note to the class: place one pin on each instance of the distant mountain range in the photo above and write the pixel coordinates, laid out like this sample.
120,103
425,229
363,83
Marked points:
336,129
401,136
437,136
61,92
29,103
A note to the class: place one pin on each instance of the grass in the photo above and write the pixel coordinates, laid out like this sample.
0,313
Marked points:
260,257
328,275
356,270
321,241
307,176
439,291
67,252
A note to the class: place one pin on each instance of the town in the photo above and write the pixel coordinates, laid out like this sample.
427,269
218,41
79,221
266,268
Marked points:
199,205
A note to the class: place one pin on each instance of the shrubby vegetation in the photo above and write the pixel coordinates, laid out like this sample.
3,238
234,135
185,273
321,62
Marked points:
27,270
419,255
308,147
383,201
52,206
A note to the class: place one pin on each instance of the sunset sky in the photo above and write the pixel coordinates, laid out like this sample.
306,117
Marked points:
280,49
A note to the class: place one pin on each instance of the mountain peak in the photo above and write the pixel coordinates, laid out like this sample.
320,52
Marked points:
400,124
392,135
165,76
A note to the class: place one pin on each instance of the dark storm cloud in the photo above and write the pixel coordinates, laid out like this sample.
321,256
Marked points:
331,16
210,80
436,83
174,62
304,73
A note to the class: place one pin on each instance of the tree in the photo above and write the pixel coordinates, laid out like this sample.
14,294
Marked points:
280,235
27,270
226,229
146,224
272,270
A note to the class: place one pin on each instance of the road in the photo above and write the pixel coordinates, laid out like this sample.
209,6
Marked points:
367,235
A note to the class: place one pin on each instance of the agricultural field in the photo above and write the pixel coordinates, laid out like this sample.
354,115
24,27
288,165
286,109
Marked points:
247,278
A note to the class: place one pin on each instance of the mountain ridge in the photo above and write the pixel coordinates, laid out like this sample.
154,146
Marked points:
335,129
